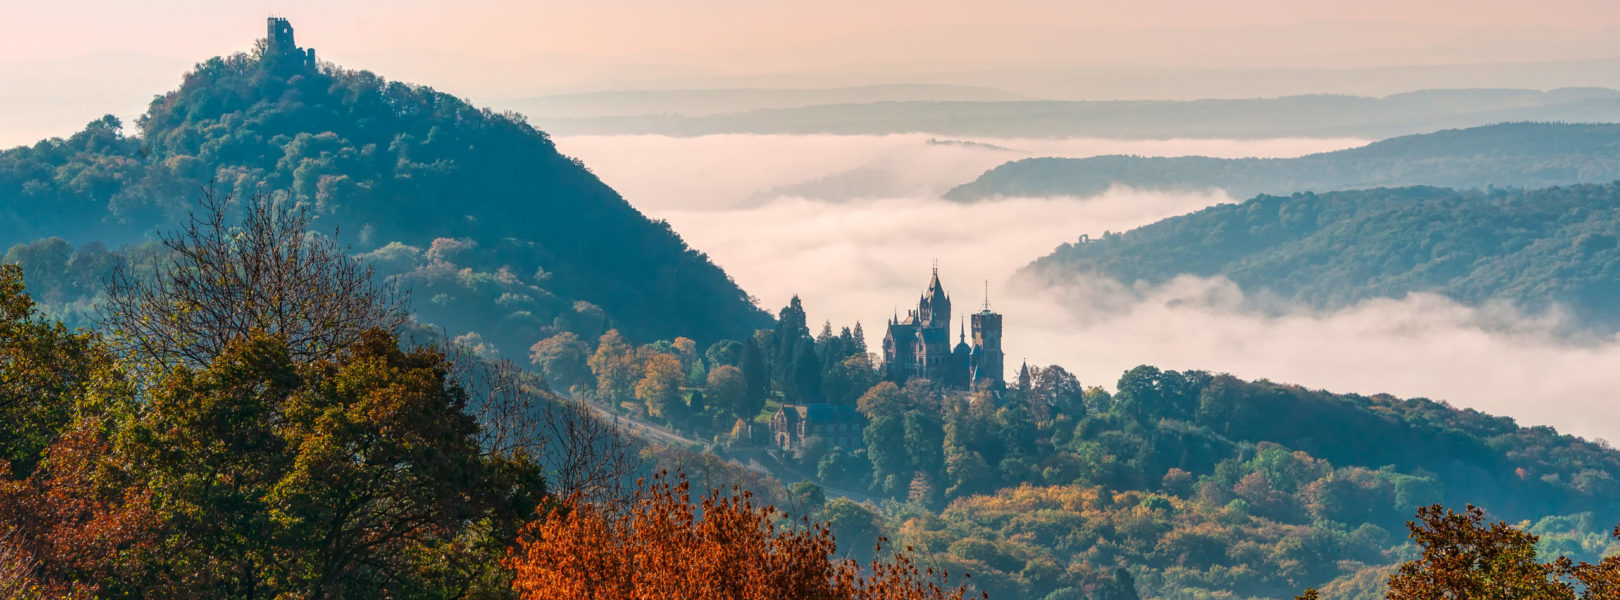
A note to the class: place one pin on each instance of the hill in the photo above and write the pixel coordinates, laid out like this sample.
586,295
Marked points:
1504,155
1531,247
496,231
1316,115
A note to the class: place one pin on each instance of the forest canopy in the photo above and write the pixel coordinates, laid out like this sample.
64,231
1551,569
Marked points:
1533,248
413,178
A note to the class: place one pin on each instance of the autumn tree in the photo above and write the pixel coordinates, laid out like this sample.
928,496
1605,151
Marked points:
616,368
224,280
1464,557
724,546
660,388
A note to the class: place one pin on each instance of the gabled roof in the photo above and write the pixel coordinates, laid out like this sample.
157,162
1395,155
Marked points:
823,413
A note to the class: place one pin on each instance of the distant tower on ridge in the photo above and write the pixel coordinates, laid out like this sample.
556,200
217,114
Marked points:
278,42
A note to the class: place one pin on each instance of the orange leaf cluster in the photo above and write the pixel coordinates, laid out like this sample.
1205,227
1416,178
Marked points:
662,546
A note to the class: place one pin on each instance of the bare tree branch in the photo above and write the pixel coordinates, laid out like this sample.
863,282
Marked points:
224,280
17,567
580,450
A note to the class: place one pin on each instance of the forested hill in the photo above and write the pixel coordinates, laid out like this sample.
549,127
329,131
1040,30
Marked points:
494,230
1504,155
1532,247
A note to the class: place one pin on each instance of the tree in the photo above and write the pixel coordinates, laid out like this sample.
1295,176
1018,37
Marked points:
521,421
886,447
807,496
724,546
78,524
849,378
1055,391
803,377
757,375
728,390
616,368
882,400
724,352
46,372
358,476
1464,557
224,282
563,359
660,388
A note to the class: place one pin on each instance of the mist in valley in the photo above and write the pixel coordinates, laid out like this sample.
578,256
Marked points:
851,224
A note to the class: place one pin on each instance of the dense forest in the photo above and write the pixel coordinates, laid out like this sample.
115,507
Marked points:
1535,248
249,413
1503,155
1318,115
412,177
1178,485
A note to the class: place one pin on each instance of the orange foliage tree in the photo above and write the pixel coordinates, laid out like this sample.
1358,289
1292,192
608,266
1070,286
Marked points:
662,546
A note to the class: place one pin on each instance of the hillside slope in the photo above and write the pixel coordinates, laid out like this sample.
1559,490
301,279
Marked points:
1504,155
1536,248
500,233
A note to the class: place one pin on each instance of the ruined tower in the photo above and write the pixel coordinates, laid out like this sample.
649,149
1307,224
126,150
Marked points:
279,44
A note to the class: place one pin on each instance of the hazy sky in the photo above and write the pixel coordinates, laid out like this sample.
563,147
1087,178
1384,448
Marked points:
587,41
63,63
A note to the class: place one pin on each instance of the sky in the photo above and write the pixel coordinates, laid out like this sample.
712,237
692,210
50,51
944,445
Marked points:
64,63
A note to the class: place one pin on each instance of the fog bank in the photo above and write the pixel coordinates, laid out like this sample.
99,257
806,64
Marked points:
864,257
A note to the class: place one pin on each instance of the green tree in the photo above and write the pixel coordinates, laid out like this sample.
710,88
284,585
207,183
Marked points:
758,376
728,390
351,477
46,372
563,359
724,352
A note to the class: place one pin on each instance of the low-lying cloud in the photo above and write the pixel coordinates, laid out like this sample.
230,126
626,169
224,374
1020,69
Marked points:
865,258
657,172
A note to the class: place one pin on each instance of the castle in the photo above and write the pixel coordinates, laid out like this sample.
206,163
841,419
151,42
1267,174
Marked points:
920,345
278,42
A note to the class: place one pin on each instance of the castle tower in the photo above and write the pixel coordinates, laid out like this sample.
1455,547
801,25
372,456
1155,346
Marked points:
934,308
279,36
988,362
279,43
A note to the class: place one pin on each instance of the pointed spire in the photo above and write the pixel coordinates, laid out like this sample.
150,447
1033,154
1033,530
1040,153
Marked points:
963,330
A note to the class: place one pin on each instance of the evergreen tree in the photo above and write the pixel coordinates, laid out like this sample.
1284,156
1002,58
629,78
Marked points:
757,378
804,379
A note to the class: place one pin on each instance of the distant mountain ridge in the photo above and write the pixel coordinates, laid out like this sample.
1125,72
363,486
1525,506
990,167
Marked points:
1507,154
1533,248
1317,115
702,102
507,237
